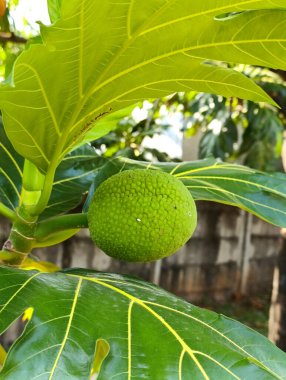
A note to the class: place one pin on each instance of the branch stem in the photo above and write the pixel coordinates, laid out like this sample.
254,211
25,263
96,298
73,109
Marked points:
11,37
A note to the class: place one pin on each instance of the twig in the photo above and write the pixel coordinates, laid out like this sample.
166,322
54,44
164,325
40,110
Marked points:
6,37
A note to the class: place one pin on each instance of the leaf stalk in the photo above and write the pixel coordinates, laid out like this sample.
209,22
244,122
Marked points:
7,212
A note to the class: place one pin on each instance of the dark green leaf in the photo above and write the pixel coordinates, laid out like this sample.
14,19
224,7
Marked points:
4,22
264,195
11,165
219,144
73,179
151,334
261,141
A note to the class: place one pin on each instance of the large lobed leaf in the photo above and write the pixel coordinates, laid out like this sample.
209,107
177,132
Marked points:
73,177
54,8
103,56
11,172
261,194
72,312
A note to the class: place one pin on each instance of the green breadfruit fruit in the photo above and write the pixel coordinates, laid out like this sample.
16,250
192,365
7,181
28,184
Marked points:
141,215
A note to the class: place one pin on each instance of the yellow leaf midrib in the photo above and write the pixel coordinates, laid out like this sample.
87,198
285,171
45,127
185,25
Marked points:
143,304
77,291
185,347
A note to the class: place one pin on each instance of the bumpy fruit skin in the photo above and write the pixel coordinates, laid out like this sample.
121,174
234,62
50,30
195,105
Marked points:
141,215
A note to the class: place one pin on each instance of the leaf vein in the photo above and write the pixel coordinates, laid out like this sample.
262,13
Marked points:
67,330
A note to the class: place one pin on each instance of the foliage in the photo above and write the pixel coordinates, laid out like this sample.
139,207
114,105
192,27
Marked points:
12,42
128,134
142,315
230,129
66,89
64,115
235,129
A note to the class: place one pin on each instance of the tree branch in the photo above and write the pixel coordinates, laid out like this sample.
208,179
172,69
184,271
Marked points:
6,37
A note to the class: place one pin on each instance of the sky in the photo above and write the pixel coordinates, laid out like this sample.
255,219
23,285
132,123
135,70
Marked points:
31,10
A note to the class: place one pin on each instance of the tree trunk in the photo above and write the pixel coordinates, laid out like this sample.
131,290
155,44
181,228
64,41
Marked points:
277,315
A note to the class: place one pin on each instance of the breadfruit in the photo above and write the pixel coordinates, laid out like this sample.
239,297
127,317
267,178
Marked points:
141,215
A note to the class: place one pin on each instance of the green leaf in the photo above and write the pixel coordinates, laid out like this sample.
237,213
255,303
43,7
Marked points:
103,56
219,145
106,125
54,8
11,166
243,47
73,179
4,22
260,145
151,333
264,195
3,355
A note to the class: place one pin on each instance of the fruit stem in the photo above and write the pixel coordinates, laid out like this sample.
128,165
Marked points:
60,223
